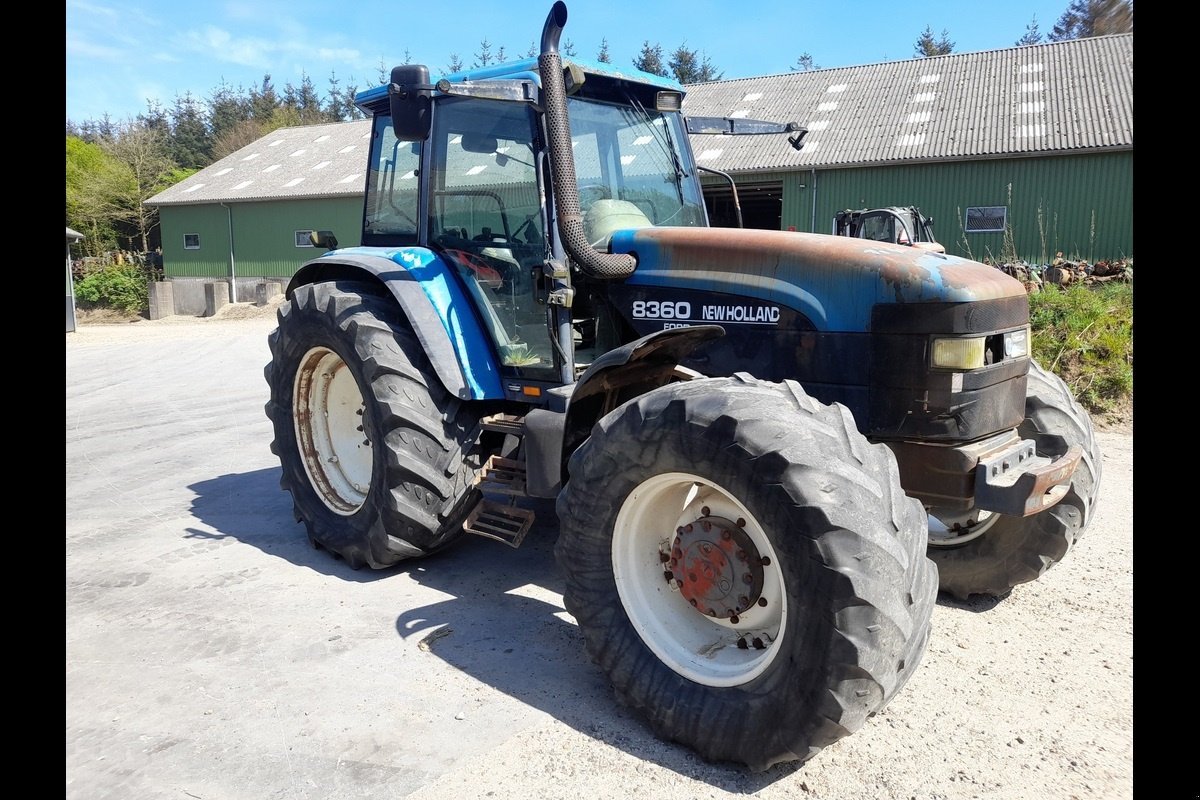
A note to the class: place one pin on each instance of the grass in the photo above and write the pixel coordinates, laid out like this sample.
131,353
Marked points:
1084,334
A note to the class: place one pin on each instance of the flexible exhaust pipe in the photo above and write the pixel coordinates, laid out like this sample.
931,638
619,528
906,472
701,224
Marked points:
602,266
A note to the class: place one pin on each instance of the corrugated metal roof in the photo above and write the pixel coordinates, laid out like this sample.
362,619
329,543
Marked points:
1047,98
287,164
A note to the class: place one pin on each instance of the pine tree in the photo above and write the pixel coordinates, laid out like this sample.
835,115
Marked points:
804,63
927,46
688,66
1032,34
650,59
484,56
603,57
456,63
189,145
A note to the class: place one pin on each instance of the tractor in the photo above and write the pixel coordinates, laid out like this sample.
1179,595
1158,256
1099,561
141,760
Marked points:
895,224
766,450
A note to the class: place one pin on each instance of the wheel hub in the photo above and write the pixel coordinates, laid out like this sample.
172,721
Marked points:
717,567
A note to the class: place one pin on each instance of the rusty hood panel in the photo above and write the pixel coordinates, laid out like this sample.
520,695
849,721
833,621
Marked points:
834,280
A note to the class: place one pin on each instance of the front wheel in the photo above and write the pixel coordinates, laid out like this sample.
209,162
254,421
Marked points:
376,454
745,567
979,552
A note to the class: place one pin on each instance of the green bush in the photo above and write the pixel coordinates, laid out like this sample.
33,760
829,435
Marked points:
123,287
1084,334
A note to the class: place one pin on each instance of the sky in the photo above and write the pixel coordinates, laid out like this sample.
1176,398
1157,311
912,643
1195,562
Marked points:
120,54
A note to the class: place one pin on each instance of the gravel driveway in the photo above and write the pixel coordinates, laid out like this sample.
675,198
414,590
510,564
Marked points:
211,653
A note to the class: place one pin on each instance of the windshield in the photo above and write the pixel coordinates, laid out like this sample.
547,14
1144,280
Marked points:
629,154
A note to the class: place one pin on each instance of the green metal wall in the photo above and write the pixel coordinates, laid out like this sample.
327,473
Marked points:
263,233
1084,202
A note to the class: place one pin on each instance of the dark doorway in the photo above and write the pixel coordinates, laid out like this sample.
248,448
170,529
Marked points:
761,203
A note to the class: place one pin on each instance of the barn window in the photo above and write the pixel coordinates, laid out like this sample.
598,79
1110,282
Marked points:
302,239
191,241
986,219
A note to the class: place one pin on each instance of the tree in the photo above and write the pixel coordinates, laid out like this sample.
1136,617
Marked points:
1084,18
568,48
804,63
226,109
94,180
650,59
239,135
456,63
688,66
1032,34
484,56
263,100
927,46
145,155
603,57
190,146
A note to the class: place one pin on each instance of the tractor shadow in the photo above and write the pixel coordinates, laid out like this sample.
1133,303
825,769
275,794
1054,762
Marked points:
251,508
504,623
505,626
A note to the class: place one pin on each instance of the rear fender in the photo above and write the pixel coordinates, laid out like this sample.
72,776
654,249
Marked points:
434,303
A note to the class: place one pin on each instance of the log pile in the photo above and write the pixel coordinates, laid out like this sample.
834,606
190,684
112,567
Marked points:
1064,272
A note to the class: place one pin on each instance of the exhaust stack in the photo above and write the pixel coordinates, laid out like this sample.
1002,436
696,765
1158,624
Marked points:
602,266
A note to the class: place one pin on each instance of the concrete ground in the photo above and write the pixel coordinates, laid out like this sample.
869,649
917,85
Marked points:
211,653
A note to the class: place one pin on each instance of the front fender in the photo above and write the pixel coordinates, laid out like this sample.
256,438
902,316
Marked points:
431,298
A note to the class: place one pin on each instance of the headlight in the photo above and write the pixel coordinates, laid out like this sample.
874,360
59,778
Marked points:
1016,343
958,353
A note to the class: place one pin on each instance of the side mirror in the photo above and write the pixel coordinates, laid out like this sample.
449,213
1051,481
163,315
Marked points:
324,239
409,98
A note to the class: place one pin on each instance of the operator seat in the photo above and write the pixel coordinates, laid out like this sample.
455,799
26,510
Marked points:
604,217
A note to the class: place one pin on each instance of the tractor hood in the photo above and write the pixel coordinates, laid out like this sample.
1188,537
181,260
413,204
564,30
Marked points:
834,280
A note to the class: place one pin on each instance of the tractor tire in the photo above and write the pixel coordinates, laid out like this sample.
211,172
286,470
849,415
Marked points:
745,567
375,453
991,554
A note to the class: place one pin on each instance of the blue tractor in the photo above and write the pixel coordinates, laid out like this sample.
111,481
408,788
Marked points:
764,445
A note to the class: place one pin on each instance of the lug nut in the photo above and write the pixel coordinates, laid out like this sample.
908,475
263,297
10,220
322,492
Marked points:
663,557
764,561
741,523
747,579
705,511
687,528
733,618
741,643
741,554
762,601
743,601
758,645
667,576
712,612
706,525
692,600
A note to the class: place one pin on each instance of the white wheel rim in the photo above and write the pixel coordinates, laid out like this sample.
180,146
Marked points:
952,530
328,416
699,647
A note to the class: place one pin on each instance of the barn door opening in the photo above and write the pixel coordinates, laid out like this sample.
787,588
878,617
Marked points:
761,204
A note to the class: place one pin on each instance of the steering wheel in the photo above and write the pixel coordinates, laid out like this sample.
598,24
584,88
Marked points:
600,191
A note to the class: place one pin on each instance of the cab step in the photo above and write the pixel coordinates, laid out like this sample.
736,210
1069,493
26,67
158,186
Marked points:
502,476
504,523
504,423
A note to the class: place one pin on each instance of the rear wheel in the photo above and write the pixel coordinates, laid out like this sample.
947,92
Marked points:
978,552
745,567
375,454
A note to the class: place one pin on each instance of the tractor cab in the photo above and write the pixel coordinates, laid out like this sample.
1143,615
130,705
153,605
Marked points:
523,208
895,224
